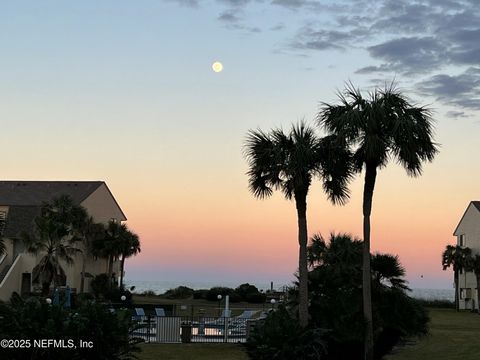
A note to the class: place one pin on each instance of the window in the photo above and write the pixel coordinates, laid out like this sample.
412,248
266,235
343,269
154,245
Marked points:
461,240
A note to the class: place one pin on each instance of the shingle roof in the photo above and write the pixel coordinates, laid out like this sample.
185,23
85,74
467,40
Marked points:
24,200
28,193
20,218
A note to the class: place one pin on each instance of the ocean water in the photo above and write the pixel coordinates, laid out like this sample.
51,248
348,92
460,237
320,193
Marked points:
159,287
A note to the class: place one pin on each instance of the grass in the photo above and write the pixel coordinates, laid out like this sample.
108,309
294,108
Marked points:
452,336
192,351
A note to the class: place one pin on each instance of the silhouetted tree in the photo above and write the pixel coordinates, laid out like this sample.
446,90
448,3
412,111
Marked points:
289,162
382,127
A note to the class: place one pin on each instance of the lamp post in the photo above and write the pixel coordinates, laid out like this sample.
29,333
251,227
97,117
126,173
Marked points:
219,298
273,303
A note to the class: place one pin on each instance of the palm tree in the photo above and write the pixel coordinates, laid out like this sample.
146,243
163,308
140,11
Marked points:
88,231
130,246
385,126
456,257
54,236
473,264
53,241
387,268
289,162
112,244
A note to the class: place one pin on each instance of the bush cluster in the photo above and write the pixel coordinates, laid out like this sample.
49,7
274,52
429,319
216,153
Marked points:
35,319
336,309
280,337
245,292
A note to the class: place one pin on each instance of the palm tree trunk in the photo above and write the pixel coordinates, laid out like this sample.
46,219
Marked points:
457,300
110,270
122,266
301,203
82,278
370,177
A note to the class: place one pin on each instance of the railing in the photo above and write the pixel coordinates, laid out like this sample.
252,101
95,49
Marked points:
2,258
11,280
176,329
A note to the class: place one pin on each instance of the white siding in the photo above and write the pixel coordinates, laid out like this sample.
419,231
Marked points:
469,226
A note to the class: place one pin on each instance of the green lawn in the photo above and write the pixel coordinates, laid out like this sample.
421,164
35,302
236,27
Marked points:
452,336
192,351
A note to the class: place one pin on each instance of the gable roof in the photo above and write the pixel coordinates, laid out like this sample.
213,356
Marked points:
25,198
476,204
20,218
34,193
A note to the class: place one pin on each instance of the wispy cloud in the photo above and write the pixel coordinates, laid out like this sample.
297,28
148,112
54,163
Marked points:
461,90
422,40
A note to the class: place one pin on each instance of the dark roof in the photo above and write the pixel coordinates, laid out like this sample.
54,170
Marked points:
477,204
20,218
34,193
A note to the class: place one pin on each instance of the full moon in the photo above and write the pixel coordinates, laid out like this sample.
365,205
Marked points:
217,66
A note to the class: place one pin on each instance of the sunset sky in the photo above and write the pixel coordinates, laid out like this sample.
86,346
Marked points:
123,91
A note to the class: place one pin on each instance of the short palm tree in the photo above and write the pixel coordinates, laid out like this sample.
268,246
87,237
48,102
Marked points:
382,127
89,231
386,268
289,163
54,237
53,241
456,257
130,246
112,245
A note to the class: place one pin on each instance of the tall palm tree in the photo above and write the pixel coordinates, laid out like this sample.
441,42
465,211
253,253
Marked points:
382,127
289,163
130,246
456,257
89,231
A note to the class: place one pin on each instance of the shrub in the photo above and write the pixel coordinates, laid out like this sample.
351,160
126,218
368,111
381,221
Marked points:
181,292
250,293
445,304
212,294
256,298
280,337
35,319
148,293
336,299
99,285
200,294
